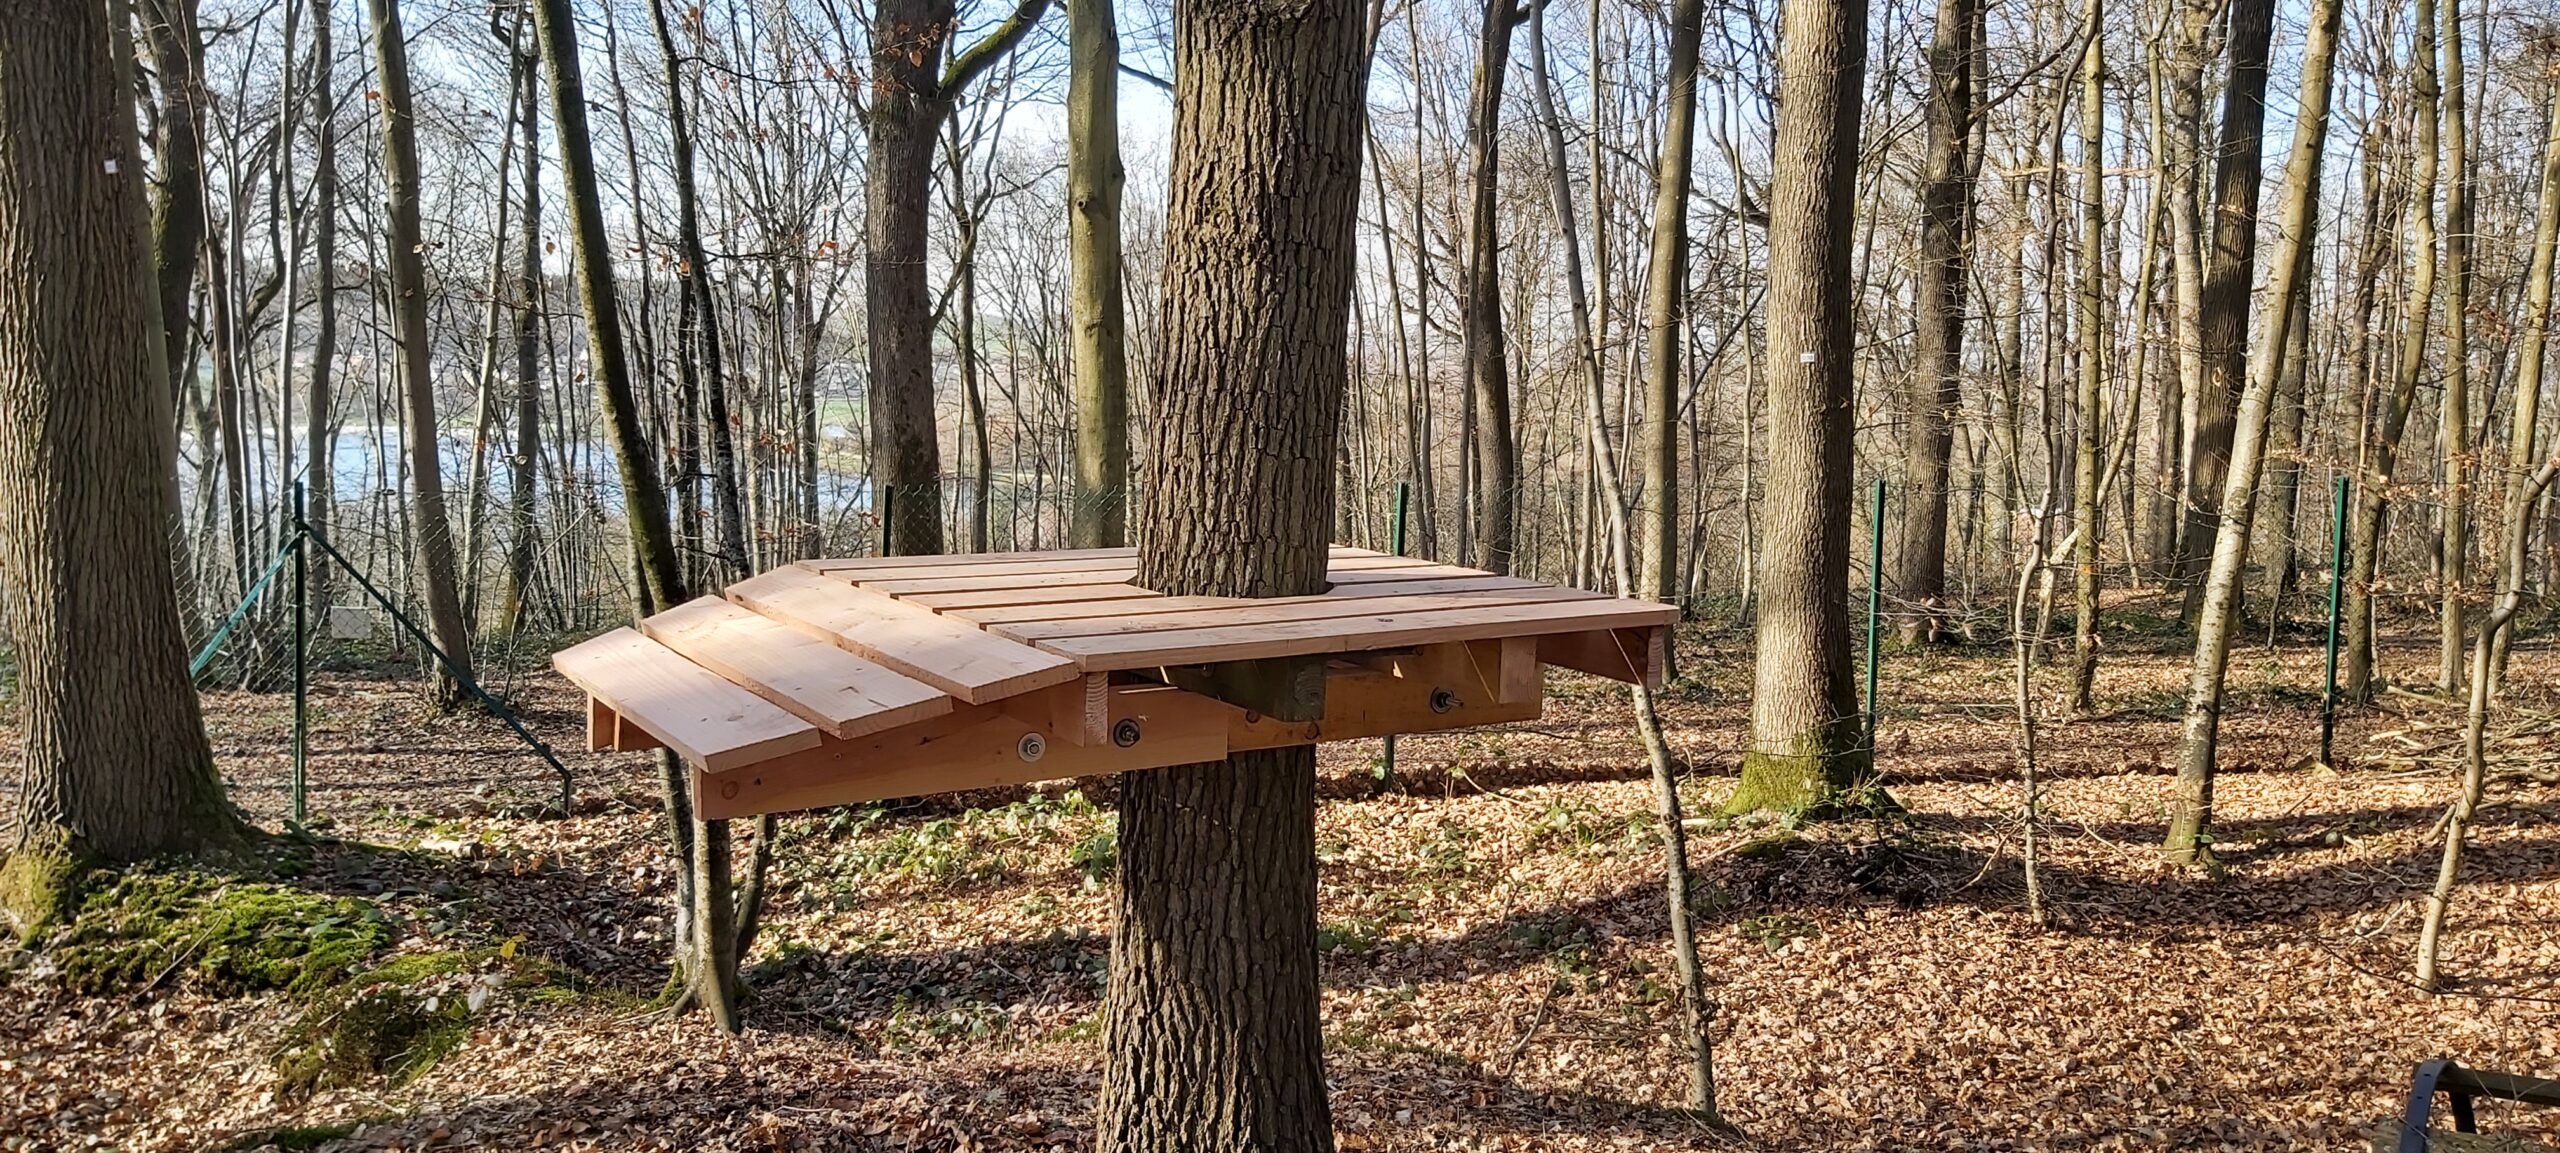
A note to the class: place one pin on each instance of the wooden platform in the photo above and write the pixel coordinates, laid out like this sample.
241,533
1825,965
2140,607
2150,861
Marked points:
837,681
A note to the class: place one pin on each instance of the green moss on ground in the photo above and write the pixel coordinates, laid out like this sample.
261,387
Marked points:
395,1020
148,927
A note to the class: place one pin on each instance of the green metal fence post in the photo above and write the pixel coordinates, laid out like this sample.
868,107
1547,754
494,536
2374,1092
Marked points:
2337,584
1404,496
1875,604
301,654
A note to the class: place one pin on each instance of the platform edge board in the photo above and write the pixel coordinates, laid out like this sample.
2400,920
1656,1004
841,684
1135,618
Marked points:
711,723
921,560
909,639
1353,634
1175,729
821,683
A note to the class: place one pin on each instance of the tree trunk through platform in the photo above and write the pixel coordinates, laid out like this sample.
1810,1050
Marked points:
1212,1034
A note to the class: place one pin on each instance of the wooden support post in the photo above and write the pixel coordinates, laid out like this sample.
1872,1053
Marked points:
1078,712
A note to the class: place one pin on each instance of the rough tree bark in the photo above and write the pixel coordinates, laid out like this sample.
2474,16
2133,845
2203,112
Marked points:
2453,408
1937,349
2191,809
115,760
1666,293
1809,746
2224,318
439,582
1101,511
1211,1035
1496,453
523,462
320,420
911,92
2086,496
2372,504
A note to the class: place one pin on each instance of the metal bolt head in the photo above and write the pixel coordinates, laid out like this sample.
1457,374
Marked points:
1125,732
1442,700
1032,747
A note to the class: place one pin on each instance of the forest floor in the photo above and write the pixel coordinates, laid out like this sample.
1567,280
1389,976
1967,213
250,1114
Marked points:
1495,969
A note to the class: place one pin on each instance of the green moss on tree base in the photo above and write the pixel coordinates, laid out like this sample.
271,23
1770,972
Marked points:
37,887
1807,784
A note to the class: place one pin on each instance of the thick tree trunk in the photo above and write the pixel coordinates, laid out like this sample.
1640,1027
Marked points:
1496,454
1101,502
1666,295
1809,746
2224,332
1919,581
1212,1037
436,570
115,763
2191,810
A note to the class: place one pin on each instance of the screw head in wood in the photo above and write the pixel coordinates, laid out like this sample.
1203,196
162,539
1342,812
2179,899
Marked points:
1442,700
1032,747
1125,733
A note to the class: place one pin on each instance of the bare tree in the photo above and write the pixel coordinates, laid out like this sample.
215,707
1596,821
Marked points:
1809,747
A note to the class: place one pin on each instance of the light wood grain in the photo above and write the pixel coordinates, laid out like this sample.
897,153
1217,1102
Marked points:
1019,605
1353,634
1242,613
1063,599
705,719
949,654
806,676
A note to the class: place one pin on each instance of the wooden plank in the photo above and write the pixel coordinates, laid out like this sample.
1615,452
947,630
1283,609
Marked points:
710,722
948,654
987,570
1242,613
1425,571
884,563
1632,655
1012,607
1353,634
1174,728
1007,578
1064,598
880,564
807,677
607,732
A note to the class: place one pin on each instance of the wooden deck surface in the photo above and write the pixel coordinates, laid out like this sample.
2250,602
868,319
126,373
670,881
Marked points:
836,652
